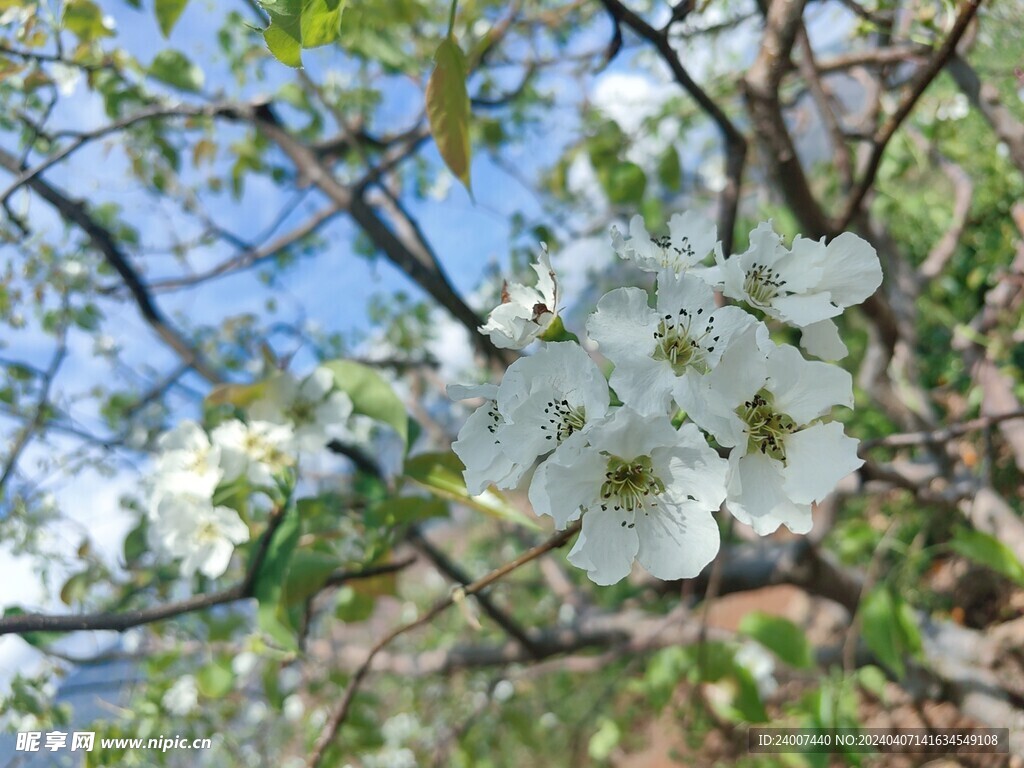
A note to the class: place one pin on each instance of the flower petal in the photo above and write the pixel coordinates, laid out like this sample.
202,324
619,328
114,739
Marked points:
623,325
817,458
806,389
806,308
606,548
821,339
570,479
852,270
675,542
757,496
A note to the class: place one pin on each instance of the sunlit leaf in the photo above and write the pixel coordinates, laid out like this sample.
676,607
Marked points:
988,551
167,14
448,109
371,395
175,69
782,637
441,474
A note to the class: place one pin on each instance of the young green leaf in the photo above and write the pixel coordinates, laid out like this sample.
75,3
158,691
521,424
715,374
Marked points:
371,395
988,551
783,638
448,109
174,68
167,14
441,474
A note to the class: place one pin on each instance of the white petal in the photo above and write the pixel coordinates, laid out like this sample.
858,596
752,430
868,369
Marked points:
683,292
853,272
472,391
570,479
692,468
605,547
317,385
821,339
644,385
694,234
562,370
623,325
817,458
803,309
480,452
547,283
187,436
802,266
676,543
627,434
757,497
806,389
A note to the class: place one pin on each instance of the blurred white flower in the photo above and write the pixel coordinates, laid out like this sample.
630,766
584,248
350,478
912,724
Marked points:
188,527
399,729
188,462
259,451
760,663
315,410
182,697
503,691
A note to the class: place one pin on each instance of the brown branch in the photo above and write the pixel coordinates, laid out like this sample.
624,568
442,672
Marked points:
735,144
939,436
985,98
77,213
120,621
761,90
922,79
811,74
454,572
340,713
250,256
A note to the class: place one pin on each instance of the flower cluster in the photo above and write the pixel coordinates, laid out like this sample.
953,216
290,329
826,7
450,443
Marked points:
712,409
195,470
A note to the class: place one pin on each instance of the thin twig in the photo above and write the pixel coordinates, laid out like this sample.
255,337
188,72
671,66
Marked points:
340,713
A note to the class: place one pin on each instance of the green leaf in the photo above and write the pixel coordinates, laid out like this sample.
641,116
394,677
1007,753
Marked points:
441,474
238,395
175,69
624,183
406,509
215,680
284,35
783,638
308,572
604,741
888,627
270,580
371,395
320,22
167,14
670,172
352,605
84,19
448,109
988,551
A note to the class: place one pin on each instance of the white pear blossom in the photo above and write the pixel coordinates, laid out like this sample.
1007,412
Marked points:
692,238
190,528
766,402
547,398
684,335
760,663
188,462
806,285
315,410
525,312
182,697
477,444
646,491
259,451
